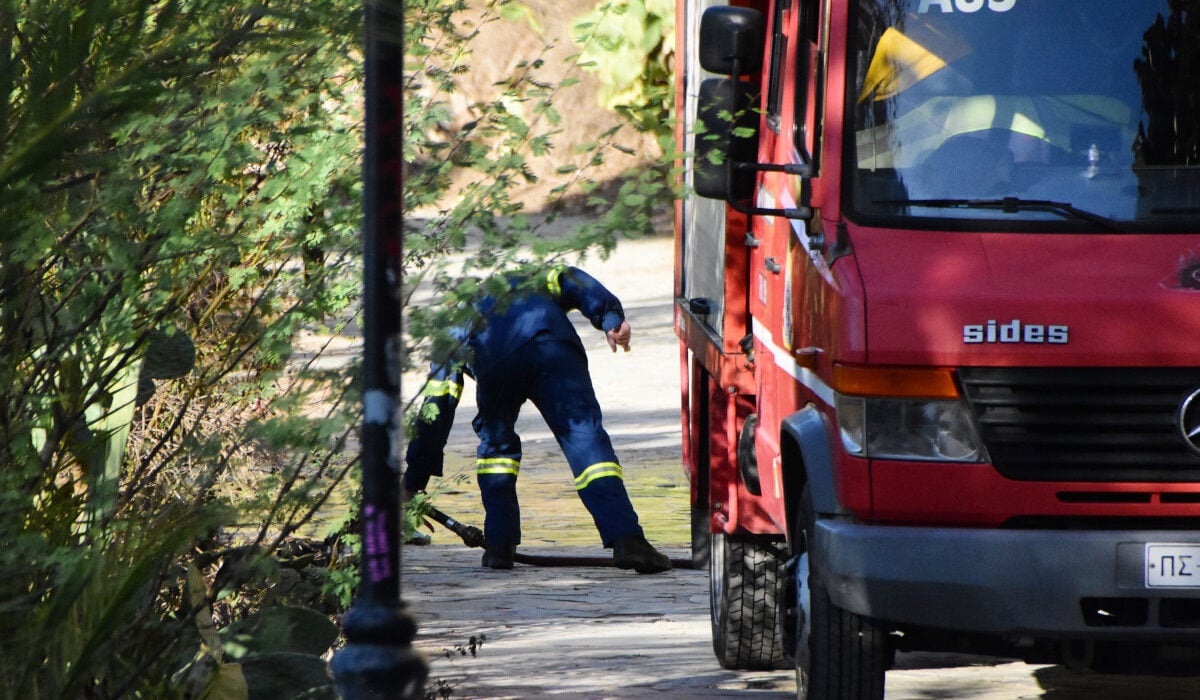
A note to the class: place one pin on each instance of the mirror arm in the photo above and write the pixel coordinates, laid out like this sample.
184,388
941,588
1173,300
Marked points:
804,170
801,169
802,213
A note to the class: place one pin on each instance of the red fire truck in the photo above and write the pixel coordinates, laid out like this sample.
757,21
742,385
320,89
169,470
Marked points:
938,301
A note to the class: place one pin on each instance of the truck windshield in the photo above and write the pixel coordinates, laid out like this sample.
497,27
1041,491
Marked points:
1093,104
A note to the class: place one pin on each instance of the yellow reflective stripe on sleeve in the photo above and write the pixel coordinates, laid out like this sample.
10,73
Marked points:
552,280
497,465
597,471
445,387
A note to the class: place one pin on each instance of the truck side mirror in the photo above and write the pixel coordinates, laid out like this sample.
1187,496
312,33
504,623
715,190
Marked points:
730,137
732,40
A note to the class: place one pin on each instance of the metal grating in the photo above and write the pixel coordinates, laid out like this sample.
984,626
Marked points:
1084,424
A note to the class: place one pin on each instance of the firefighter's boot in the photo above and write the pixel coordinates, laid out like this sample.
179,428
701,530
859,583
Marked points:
634,552
499,557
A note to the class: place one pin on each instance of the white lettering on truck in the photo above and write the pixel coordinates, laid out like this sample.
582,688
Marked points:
1016,331
966,5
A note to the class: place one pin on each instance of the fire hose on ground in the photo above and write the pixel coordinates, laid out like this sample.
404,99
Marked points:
473,537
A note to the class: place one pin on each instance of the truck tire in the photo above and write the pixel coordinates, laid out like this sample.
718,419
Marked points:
747,602
839,655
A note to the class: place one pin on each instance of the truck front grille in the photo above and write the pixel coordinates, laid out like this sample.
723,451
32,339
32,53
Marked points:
1084,424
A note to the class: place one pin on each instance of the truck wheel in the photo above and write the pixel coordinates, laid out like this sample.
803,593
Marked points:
747,579
839,655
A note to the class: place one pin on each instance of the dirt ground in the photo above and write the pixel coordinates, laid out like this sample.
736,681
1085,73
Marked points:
599,632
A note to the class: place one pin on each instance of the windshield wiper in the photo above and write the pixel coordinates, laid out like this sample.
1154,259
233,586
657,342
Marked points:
1012,205
1174,211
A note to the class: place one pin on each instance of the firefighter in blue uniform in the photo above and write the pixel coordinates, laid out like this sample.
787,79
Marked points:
525,349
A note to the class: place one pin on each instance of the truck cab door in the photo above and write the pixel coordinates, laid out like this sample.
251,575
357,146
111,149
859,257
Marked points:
705,222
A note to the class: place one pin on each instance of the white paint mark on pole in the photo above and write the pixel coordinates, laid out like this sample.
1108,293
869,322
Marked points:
377,407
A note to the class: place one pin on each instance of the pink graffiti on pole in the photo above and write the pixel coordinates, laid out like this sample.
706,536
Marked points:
375,544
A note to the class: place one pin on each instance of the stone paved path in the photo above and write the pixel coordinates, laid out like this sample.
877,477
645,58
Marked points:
571,632
575,633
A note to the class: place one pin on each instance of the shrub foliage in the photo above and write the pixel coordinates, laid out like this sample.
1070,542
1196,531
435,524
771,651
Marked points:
177,193
179,202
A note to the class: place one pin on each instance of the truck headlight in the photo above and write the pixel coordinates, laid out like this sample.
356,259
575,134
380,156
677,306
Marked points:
908,429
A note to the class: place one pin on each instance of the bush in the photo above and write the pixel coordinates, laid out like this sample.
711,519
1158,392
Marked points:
178,202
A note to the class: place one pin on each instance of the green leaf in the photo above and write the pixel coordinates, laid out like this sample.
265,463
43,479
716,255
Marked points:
519,12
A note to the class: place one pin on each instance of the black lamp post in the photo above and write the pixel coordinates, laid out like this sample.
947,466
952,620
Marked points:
378,660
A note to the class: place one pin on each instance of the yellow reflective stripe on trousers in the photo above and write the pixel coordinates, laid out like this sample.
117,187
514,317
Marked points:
445,387
597,471
497,465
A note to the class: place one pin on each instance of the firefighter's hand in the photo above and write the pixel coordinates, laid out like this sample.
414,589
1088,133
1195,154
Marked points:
620,336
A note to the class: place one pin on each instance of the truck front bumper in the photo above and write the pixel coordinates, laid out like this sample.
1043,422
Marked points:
1046,583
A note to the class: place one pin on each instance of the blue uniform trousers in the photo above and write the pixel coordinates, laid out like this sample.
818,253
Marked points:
553,374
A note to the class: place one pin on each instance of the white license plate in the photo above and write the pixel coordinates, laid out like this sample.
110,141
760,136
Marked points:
1172,565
